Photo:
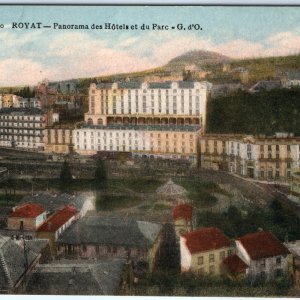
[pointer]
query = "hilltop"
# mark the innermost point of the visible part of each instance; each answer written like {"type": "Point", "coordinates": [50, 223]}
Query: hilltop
{"type": "Point", "coordinates": [205, 65]}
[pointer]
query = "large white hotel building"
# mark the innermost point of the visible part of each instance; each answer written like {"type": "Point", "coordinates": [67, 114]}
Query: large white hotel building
{"type": "Point", "coordinates": [147, 119]}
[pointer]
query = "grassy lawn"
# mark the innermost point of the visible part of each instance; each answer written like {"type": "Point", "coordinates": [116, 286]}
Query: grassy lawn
{"type": "Point", "coordinates": [119, 193]}
{"type": "Point", "coordinates": [10, 200]}
{"type": "Point", "coordinates": [201, 192]}
{"type": "Point", "coordinates": [112, 202]}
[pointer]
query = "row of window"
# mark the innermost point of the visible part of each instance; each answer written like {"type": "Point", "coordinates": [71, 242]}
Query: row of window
{"type": "Point", "coordinates": [211, 257]}
{"type": "Point", "coordinates": [117, 134]}
{"type": "Point", "coordinates": [35, 118]}
{"type": "Point", "coordinates": [182, 150]}
{"type": "Point", "coordinates": [175, 91]}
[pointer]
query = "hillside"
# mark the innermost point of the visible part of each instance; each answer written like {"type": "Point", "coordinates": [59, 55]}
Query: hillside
{"type": "Point", "coordinates": [218, 69]}
{"type": "Point", "coordinates": [198, 58]}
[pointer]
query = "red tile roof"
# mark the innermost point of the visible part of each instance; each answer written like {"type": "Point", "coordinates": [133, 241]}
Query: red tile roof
{"type": "Point", "coordinates": [234, 264]}
{"type": "Point", "coordinates": [183, 211]}
{"type": "Point", "coordinates": [206, 239]}
{"type": "Point", "coordinates": [28, 210]}
{"type": "Point", "coordinates": [262, 244]}
{"type": "Point", "coordinates": [58, 219]}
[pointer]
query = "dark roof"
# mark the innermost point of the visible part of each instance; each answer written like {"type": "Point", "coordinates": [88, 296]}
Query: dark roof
{"type": "Point", "coordinates": [100, 230]}
{"type": "Point", "coordinates": [104, 85]}
{"type": "Point", "coordinates": [20, 111]}
{"type": "Point", "coordinates": [206, 239]}
{"type": "Point", "coordinates": [265, 85]}
{"type": "Point", "coordinates": [176, 128]}
{"type": "Point", "coordinates": [234, 264]}
{"type": "Point", "coordinates": [262, 244]}
{"type": "Point", "coordinates": [102, 277]}
{"type": "Point", "coordinates": [54, 202]}
{"type": "Point", "coordinates": [5, 211]}
{"type": "Point", "coordinates": [37, 245]}
{"type": "Point", "coordinates": [12, 262]}
{"type": "Point", "coordinates": [129, 85]}
{"type": "Point", "coordinates": [58, 219]}
{"type": "Point", "coordinates": [183, 211]}
{"type": "Point", "coordinates": [151, 85]}
{"type": "Point", "coordinates": [27, 210]}
{"type": "Point", "coordinates": [293, 75]}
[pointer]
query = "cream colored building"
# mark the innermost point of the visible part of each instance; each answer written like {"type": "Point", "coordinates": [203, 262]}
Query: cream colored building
{"type": "Point", "coordinates": [157, 119]}
{"type": "Point", "coordinates": [22, 128]}
{"type": "Point", "coordinates": [182, 103]}
{"type": "Point", "coordinates": [58, 139]}
{"type": "Point", "coordinates": [9, 100]}
{"type": "Point", "coordinates": [143, 141]}
{"type": "Point", "coordinates": [203, 251]}
{"type": "Point", "coordinates": [295, 186]}
{"type": "Point", "coordinates": [264, 158]}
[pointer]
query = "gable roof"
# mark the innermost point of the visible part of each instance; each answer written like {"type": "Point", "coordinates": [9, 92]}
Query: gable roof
{"type": "Point", "coordinates": [27, 210]}
{"type": "Point", "coordinates": [206, 239]}
{"type": "Point", "coordinates": [262, 244]}
{"type": "Point", "coordinates": [101, 230]}
{"type": "Point", "coordinates": [183, 211]}
{"type": "Point", "coordinates": [12, 262]}
{"type": "Point", "coordinates": [76, 277]}
{"type": "Point", "coordinates": [58, 219]}
{"type": "Point", "coordinates": [234, 264]}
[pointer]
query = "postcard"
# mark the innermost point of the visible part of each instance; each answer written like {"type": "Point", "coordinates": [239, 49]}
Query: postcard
{"type": "Point", "coordinates": [150, 150]}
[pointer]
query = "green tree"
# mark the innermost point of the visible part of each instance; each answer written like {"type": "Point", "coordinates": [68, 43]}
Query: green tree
{"type": "Point", "coordinates": [198, 154]}
{"type": "Point", "coordinates": [100, 173]}
{"type": "Point", "coordinates": [65, 173]}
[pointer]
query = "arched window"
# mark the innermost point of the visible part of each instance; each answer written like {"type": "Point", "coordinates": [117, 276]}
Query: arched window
{"type": "Point", "coordinates": [90, 121]}
{"type": "Point", "coordinates": [100, 121]}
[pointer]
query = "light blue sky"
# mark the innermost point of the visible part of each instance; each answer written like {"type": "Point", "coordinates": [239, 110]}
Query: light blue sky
{"type": "Point", "coordinates": [29, 55]}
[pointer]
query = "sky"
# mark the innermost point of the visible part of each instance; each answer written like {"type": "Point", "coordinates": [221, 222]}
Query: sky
{"type": "Point", "coordinates": [29, 55]}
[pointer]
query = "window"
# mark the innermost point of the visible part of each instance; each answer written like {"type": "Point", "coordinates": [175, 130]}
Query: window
{"type": "Point", "coordinates": [200, 260]}
{"type": "Point", "coordinates": [222, 255]}
{"type": "Point", "coordinates": [201, 271]}
{"type": "Point", "coordinates": [84, 248]}
{"type": "Point", "coordinates": [229, 252]}
{"type": "Point", "coordinates": [278, 260]}
{"type": "Point", "coordinates": [263, 262]}
{"type": "Point", "coordinates": [211, 270]}
{"type": "Point", "coordinates": [211, 257]}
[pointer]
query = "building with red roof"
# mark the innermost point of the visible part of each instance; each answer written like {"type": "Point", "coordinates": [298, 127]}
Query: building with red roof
{"type": "Point", "coordinates": [57, 224]}
{"type": "Point", "coordinates": [203, 251]}
{"type": "Point", "coordinates": [28, 215]}
{"type": "Point", "coordinates": [265, 255]}
{"type": "Point", "coordinates": [182, 216]}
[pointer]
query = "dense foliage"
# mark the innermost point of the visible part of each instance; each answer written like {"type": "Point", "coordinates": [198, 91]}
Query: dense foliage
{"type": "Point", "coordinates": [260, 113]}
{"type": "Point", "coordinates": [187, 284]}
{"type": "Point", "coordinates": [65, 174]}
{"type": "Point", "coordinates": [100, 173]}
{"type": "Point", "coordinates": [25, 92]}
{"type": "Point", "coordinates": [280, 220]}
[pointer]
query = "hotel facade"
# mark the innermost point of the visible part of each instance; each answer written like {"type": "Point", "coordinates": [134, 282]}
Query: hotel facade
{"type": "Point", "coordinates": [147, 119]}
{"type": "Point", "coordinates": [263, 158]}
{"type": "Point", "coordinates": [22, 128]}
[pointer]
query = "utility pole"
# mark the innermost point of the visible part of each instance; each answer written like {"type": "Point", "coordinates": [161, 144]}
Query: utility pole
{"type": "Point", "coordinates": [24, 252]}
